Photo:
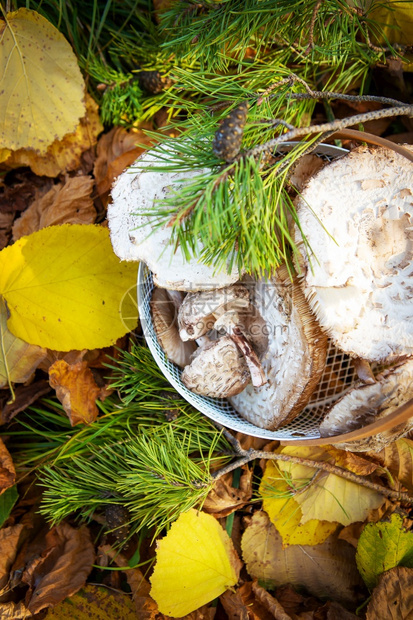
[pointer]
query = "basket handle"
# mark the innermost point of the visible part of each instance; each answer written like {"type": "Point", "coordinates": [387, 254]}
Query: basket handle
{"type": "Point", "coordinates": [399, 415]}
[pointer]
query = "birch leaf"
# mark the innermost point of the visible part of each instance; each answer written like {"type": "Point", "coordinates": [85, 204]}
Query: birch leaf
{"type": "Point", "coordinates": [196, 562]}
{"type": "Point", "coordinates": [328, 497]}
{"type": "Point", "coordinates": [41, 86]}
{"type": "Point", "coordinates": [383, 546]}
{"type": "Point", "coordinates": [18, 359]}
{"type": "Point", "coordinates": [64, 287]}
{"type": "Point", "coordinates": [285, 513]}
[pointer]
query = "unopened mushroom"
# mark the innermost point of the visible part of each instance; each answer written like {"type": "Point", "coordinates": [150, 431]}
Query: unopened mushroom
{"type": "Point", "coordinates": [357, 217]}
{"type": "Point", "coordinates": [218, 369]}
{"type": "Point", "coordinates": [134, 234]}
{"type": "Point", "coordinates": [164, 310]}
{"type": "Point", "coordinates": [365, 404]}
{"type": "Point", "coordinates": [293, 361]}
{"type": "Point", "coordinates": [196, 314]}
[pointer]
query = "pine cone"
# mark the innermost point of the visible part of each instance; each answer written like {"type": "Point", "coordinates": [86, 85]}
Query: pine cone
{"type": "Point", "coordinates": [117, 517]}
{"type": "Point", "coordinates": [153, 81]}
{"type": "Point", "coordinates": [228, 138]}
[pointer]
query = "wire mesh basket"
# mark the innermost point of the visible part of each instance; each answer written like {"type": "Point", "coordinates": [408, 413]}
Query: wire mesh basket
{"type": "Point", "coordinates": [339, 375]}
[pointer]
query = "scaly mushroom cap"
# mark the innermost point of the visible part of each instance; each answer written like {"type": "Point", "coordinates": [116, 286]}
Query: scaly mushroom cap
{"type": "Point", "coordinates": [134, 236]}
{"type": "Point", "coordinates": [218, 369]}
{"type": "Point", "coordinates": [164, 319]}
{"type": "Point", "coordinates": [293, 361]}
{"type": "Point", "coordinates": [357, 216]}
{"type": "Point", "coordinates": [367, 403]}
{"type": "Point", "coordinates": [196, 314]}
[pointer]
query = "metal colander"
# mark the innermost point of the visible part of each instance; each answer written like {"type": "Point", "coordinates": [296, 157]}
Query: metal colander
{"type": "Point", "coordinates": [338, 377]}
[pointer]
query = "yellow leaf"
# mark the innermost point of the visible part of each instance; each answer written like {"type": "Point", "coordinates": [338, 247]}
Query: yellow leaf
{"type": "Point", "coordinates": [62, 155]}
{"type": "Point", "coordinates": [285, 513]}
{"type": "Point", "coordinates": [40, 83]}
{"type": "Point", "coordinates": [64, 287]}
{"type": "Point", "coordinates": [396, 19]}
{"type": "Point", "coordinates": [18, 359]}
{"type": "Point", "coordinates": [196, 562]}
{"type": "Point", "coordinates": [328, 497]}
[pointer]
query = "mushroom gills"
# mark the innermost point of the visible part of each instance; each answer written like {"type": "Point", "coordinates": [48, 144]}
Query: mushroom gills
{"type": "Point", "coordinates": [164, 319]}
{"type": "Point", "coordinates": [364, 404]}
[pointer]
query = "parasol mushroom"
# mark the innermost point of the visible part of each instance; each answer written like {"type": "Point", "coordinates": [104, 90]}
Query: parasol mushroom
{"type": "Point", "coordinates": [357, 216]}
{"type": "Point", "coordinates": [135, 236]}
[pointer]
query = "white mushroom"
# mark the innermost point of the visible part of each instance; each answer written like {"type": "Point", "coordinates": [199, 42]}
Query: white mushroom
{"type": "Point", "coordinates": [218, 369]}
{"type": "Point", "coordinates": [293, 361]}
{"type": "Point", "coordinates": [357, 216]}
{"type": "Point", "coordinates": [365, 404]}
{"type": "Point", "coordinates": [196, 315]}
{"type": "Point", "coordinates": [164, 310]}
{"type": "Point", "coordinates": [134, 235]}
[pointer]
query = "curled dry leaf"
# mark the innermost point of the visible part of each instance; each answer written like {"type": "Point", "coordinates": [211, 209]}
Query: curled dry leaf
{"type": "Point", "coordinates": [18, 359]}
{"type": "Point", "coordinates": [62, 155]}
{"type": "Point", "coordinates": [76, 389]}
{"type": "Point", "coordinates": [392, 599]}
{"type": "Point", "coordinates": [65, 203]}
{"type": "Point", "coordinates": [223, 499]}
{"type": "Point", "coordinates": [325, 570]}
{"type": "Point", "coordinates": [116, 150]}
{"type": "Point", "coordinates": [397, 457]}
{"type": "Point", "coordinates": [243, 605]}
{"type": "Point", "coordinates": [25, 395]}
{"type": "Point", "coordinates": [9, 542]}
{"type": "Point", "coordinates": [62, 568]}
{"type": "Point", "coordinates": [7, 471]}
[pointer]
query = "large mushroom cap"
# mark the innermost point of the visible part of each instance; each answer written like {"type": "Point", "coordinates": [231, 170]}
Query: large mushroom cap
{"type": "Point", "coordinates": [357, 216]}
{"type": "Point", "coordinates": [367, 403]}
{"type": "Point", "coordinates": [134, 236]}
{"type": "Point", "coordinates": [293, 361]}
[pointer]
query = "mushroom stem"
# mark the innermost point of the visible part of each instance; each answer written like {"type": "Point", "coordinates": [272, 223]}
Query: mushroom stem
{"type": "Point", "coordinates": [364, 371]}
{"type": "Point", "coordinates": [229, 321]}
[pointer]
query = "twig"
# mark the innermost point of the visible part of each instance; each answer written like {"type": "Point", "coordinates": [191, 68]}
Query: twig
{"type": "Point", "coordinates": [323, 94]}
{"type": "Point", "coordinates": [337, 125]}
{"type": "Point", "coordinates": [312, 24]}
{"type": "Point", "coordinates": [245, 456]}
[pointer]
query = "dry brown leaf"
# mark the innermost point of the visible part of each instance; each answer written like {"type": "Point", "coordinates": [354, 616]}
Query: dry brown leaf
{"type": "Point", "coordinates": [295, 604]}
{"type": "Point", "coordinates": [255, 443]}
{"type": "Point", "coordinates": [334, 611]}
{"type": "Point", "coordinates": [116, 151]}
{"type": "Point", "coordinates": [352, 462]}
{"type": "Point", "coordinates": [223, 499]}
{"type": "Point", "coordinates": [9, 542]}
{"type": "Point", "coordinates": [392, 598]}
{"type": "Point", "coordinates": [397, 457]}
{"type": "Point", "coordinates": [146, 608]}
{"type": "Point", "coordinates": [269, 602]}
{"type": "Point", "coordinates": [76, 389]}
{"type": "Point", "coordinates": [63, 567]}
{"type": "Point", "coordinates": [243, 606]}
{"type": "Point", "coordinates": [328, 569]}
{"type": "Point", "coordinates": [62, 155]}
{"type": "Point", "coordinates": [14, 611]}
{"type": "Point", "coordinates": [25, 395]}
{"type": "Point", "coordinates": [66, 203]}
{"type": "Point", "coordinates": [7, 471]}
